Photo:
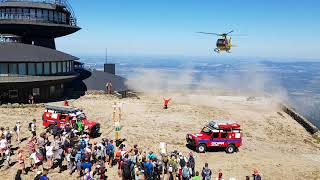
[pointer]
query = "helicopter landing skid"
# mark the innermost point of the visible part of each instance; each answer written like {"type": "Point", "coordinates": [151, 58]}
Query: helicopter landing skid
{"type": "Point", "coordinates": [216, 50]}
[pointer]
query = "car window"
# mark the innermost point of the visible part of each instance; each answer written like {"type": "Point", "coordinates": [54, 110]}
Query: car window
{"type": "Point", "coordinates": [224, 135]}
{"type": "Point", "coordinates": [206, 130]}
{"type": "Point", "coordinates": [215, 135]}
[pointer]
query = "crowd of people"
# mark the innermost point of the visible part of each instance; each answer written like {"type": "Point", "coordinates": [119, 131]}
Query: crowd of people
{"type": "Point", "coordinates": [89, 159]}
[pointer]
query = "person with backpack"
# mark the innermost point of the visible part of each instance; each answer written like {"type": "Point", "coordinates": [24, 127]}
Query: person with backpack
{"type": "Point", "coordinates": [172, 166]}
{"type": "Point", "coordinates": [125, 169]}
{"type": "Point", "coordinates": [206, 172]}
{"type": "Point", "coordinates": [148, 167]}
{"type": "Point", "coordinates": [191, 164]}
{"type": "Point", "coordinates": [16, 129]}
{"type": "Point", "coordinates": [8, 135]}
{"type": "Point", "coordinates": [185, 175]}
{"type": "Point", "coordinates": [33, 127]}
{"type": "Point", "coordinates": [110, 152]}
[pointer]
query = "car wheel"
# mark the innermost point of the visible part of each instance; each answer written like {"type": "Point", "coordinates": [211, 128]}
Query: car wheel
{"type": "Point", "coordinates": [231, 149]}
{"type": "Point", "coordinates": [201, 148]}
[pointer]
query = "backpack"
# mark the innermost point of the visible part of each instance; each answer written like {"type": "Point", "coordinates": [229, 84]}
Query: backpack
{"type": "Point", "coordinates": [82, 144]}
{"type": "Point", "coordinates": [39, 156]}
{"type": "Point", "coordinates": [8, 136]}
{"type": "Point", "coordinates": [206, 173]}
{"type": "Point", "coordinates": [126, 170]}
{"type": "Point", "coordinates": [15, 128]}
{"type": "Point", "coordinates": [110, 148]}
{"type": "Point", "coordinates": [118, 155]}
{"type": "Point", "coordinates": [191, 162]}
{"type": "Point", "coordinates": [182, 162]}
{"type": "Point", "coordinates": [170, 169]}
{"type": "Point", "coordinates": [29, 126]}
{"type": "Point", "coordinates": [185, 172]}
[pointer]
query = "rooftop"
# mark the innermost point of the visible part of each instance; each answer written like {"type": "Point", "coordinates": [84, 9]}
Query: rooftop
{"type": "Point", "coordinates": [18, 52]}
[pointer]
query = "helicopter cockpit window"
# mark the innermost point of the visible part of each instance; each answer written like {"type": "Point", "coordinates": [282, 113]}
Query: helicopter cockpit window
{"type": "Point", "coordinates": [221, 42]}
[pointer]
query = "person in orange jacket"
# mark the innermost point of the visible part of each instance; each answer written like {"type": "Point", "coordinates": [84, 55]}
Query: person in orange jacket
{"type": "Point", "coordinates": [166, 102]}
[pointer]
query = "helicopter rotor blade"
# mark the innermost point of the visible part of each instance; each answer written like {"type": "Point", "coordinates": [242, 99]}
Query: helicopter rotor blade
{"type": "Point", "coordinates": [229, 32]}
{"type": "Point", "coordinates": [209, 33]}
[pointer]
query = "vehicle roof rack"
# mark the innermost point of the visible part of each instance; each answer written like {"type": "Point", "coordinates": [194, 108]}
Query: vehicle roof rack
{"type": "Point", "coordinates": [66, 109]}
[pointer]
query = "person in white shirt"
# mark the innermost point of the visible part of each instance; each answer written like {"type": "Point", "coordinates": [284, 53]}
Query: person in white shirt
{"type": "Point", "coordinates": [16, 129]}
{"type": "Point", "coordinates": [36, 160]}
{"type": "Point", "coordinates": [3, 146]}
{"type": "Point", "coordinates": [49, 154]}
{"type": "Point", "coordinates": [33, 127]}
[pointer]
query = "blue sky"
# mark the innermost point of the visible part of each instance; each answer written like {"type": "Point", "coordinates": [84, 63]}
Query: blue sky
{"type": "Point", "coordinates": [273, 28]}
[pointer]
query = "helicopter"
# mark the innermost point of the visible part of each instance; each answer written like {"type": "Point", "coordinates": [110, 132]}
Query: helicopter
{"type": "Point", "coordinates": [224, 43]}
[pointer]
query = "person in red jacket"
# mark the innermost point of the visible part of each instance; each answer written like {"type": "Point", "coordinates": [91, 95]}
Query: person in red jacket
{"type": "Point", "coordinates": [166, 102]}
{"type": "Point", "coordinates": [66, 103]}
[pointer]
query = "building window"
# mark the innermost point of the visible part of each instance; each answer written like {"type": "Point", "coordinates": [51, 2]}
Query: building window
{"type": "Point", "coordinates": [26, 13]}
{"type": "Point", "coordinates": [64, 66]}
{"type": "Point", "coordinates": [19, 13]}
{"type": "Point", "coordinates": [22, 68]}
{"type": "Point", "coordinates": [39, 69]}
{"type": "Point", "coordinates": [13, 69]}
{"type": "Point", "coordinates": [51, 16]}
{"type": "Point", "coordinates": [33, 14]}
{"type": "Point", "coordinates": [13, 93]}
{"type": "Point", "coordinates": [39, 14]}
{"type": "Point", "coordinates": [36, 91]}
{"type": "Point", "coordinates": [31, 69]}
{"type": "Point", "coordinates": [53, 67]}
{"type": "Point", "coordinates": [64, 18]}
{"type": "Point", "coordinates": [59, 67]}
{"type": "Point", "coordinates": [68, 66]}
{"type": "Point", "coordinates": [52, 90]}
{"type": "Point", "coordinates": [4, 69]}
{"type": "Point", "coordinates": [45, 15]}
{"type": "Point", "coordinates": [46, 68]}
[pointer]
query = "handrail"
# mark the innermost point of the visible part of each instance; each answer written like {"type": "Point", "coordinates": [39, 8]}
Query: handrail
{"type": "Point", "coordinates": [32, 18]}
{"type": "Point", "coordinates": [64, 3]}
{"type": "Point", "coordinates": [59, 2]}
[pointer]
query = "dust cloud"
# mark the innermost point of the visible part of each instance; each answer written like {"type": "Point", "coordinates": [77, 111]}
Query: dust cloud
{"type": "Point", "coordinates": [247, 80]}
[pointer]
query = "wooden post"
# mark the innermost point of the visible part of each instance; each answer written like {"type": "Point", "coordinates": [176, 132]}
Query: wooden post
{"type": "Point", "coordinates": [114, 112]}
{"type": "Point", "coordinates": [119, 110]}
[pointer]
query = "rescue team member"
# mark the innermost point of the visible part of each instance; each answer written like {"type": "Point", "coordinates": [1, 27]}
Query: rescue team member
{"type": "Point", "coordinates": [66, 103]}
{"type": "Point", "coordinates": [166, 102]}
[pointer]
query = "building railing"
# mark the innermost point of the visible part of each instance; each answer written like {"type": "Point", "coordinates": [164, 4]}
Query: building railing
{"type": "Point", "coordinates": [58, 2]}
{"type": "Point", "coordinates": [30, 17]}
{"type": "Point", "coordinates": [65, 3]}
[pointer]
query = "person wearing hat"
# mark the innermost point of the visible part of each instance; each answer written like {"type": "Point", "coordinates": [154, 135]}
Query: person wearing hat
{"type": "Point", "coordinates": [16, 129]}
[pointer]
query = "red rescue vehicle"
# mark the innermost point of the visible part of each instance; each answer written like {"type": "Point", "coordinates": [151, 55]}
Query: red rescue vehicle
{"type": "Point", "coordinates": [60, 115]}
{"type": "Point", "coordinates": [218, 133]}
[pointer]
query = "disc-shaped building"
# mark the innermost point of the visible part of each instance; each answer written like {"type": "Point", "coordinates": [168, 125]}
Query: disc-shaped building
{"type": "Point", "coordinates": [29, 61]}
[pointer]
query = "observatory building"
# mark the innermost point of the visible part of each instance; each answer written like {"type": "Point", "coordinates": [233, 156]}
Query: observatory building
{"type": "Point", "coordinates": [29, 61]}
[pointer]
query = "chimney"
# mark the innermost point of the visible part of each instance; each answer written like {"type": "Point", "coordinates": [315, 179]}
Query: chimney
{"type": "Point", "coordinates": [109, 68]}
